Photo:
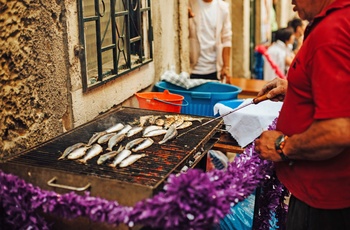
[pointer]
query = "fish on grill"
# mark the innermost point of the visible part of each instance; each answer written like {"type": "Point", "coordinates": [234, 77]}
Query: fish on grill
{"type": "Point", "coordinates": [107, 156]}
{"type": "Point", "coordinates": [186, 117]}
{"type": "Point", "coordinates": [120, 157]}
{"type": "Point", "coordinates": [143, 145]}
{"type": "Point", "coordinates": [95, 137]}
{"type": "Point", "coordinates": [114, 140]}
{"type": "Point", "coordinates": [103, 139]}
{"type": "Point", "coordinates": [179, 120]}
{"type": "Point", "coordinates": [115, 128]}
{"type": "Point", "coordinates": [78, 153]}
{"type": "Point", "coordinates": [125, 130]}
{"type": "Point", "coordinates": [134, 130]}
{"type": "Point", "coordinates": [184, 125]}
{"type": "Point", "coordinates": [151, 128]}
{"type": "Point", "coordinates": [134, 142]}
{"type": "Point", "coordinates": [152, 119]}
{"type": "Point", "coordinates": [169, 121]}
{"type": "Point", "coordinates": [95, 150]}
{"type": "Point", "coordinates": [155, 132]}
{"type": "Point", "coordinates": [71, 149]}
{"type": "Point", "coordinates": [166, 125]}
{"type": "Point", "coordinates": [171, 134]}
{"type": "Point", "coordinates": [160, 122]}
{"type": "Point", "coordinates": [131, 159]}
{"type": "Point", "coordinates": [144, 119]}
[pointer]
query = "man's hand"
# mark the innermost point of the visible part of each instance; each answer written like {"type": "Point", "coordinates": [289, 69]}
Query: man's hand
{"type": "Point", "coordinates": [265, 146]}
{"type": "Point", "coordinates": [275, 89]}
{"type": "Point", "coordinates": [225, 76]}
{"type": "Point", "coordinates": [190, 13]}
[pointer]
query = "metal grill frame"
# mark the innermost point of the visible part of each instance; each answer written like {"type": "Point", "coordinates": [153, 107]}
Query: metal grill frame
{"type": "Point", "coordinates": [128, 190]}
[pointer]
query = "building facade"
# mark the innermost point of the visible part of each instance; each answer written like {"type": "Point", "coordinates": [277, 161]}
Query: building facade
{"type": "Point", "coordinates": [65, 62]}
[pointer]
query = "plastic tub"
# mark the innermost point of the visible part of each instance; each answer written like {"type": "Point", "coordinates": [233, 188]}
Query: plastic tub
{"type": "Point", "coordinates": [231, 103]}
{"type": "Point", "coordinates": [165, 101]}
{"type": "Point", "coordinates": [201, 99]}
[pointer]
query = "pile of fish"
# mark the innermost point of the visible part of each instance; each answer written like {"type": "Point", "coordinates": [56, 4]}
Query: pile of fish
{"type": "Point", "coordinates": [107, 143]}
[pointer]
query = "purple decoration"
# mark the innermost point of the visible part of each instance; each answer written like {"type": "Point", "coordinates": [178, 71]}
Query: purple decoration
{"type": "Point", "coordinates": [191, 200]}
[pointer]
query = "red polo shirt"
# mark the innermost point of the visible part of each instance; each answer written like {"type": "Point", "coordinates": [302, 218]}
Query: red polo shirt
{"type": "Point", "coordinates": [319, 88]}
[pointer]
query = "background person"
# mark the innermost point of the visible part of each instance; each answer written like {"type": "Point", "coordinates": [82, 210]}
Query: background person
{"type": "Point", "coordinates": [210, 38]}
{"type": "Point", "coordinates": [280, 53]}
{"type": "Point", "coordinates": [299, 27]}
{"type": "Point", "coordinates": [311, 143]}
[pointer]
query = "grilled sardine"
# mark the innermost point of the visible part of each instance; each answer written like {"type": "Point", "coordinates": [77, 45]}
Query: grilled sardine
{"type": "Point", "coordinates": [144, 144]}
{"type": "Point", "coordinates": [77, 153]}
{"type": "Point", "coordinates": [114, 140]}
{"type": "Point", "coordinates": [103, 139]}
{"type": "Point", "coordinates": [115, 128]}
{"type": "Point", "coordinates": [120, 157]}
{"type": "Point", "coordinates": [171, 134]}
{"type": "Point", "coordinates": [95, 150]}
{"type": "Point", "coordinates": [130, 160]}
{"type": "Point", "coordinates": [71, 149]}
{"type": "Point", "coordinates": [109, 155]}
{"type": "Point", "coordinates": [134, 130]}
{"type": "Point", "coordinates": [134, 142]}
{"type": "Point", "coordinates": [95, 137]}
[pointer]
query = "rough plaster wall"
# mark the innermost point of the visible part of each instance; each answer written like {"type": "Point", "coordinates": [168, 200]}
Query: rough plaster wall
{"type": "Point", "coordinates": [183, 37]}
{"type": "Point", "coordinates": [87, 106]}
{"type": "Point", "coordinates": [32, 73]}
{"type": "Point", "coordinates": [166, 36]}
{"type": "Point", "coordinates": [240, 38]}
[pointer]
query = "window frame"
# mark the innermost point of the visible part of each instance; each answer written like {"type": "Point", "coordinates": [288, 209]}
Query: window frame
{"type": "Point", "coordinates": [104, 77]}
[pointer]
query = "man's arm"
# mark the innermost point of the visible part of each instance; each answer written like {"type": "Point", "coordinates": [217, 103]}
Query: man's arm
{"type": "Point", "coordinates": [324, 139]}
{"type": "Point", "coordinates": [225, 71]}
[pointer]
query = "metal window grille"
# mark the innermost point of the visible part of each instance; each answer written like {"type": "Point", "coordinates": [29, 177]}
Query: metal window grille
{"type": "Point", "coordinates": [116, 36]}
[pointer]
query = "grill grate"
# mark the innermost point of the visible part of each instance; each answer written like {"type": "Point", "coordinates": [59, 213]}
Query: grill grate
{"type": "Point", "coordinates": [161, 160]}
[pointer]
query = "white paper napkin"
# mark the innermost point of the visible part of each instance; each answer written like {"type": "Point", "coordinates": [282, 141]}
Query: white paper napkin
{"type": "Point", "coordinates": [246, 124]}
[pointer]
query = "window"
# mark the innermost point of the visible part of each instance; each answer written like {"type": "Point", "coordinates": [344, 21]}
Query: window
{"type": "Point", "coordinates": [117, 38]}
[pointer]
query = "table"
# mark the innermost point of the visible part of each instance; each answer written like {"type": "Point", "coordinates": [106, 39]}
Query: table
{"type": "Point", "coordinates": [250, 87]}
{"type": "Point", "coordinates": [227, 143]}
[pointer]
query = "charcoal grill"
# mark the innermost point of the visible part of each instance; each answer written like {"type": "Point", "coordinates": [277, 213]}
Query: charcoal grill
{"type": "Point", "coordinates": [143, 179]}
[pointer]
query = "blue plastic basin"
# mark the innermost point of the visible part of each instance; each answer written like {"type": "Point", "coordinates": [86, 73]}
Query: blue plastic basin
{"type": "Point", "coordinates": [201, 99]}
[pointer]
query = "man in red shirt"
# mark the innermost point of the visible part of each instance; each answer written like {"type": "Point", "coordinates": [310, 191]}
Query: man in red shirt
{"type": "Point", "coordinates": [311, 143]}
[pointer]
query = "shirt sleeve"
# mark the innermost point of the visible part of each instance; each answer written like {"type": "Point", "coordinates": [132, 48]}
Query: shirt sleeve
{"type": "Point", "coordinates": [226, 34]}
{"type": "Point", "coordinates": [331, 81]}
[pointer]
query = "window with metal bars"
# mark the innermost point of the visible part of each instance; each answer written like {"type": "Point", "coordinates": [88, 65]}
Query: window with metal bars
{"type": "Point", "coordinates": [117, 38]}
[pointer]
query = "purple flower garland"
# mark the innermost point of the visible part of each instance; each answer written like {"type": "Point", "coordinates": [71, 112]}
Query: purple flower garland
{"type": "Point", "coordinates": [191, 200]}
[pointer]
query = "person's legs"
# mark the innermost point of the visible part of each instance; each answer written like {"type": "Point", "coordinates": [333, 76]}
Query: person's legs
{"type": "Point", "coordinates": [303, 217]}
{"type": "Point", "coordinates": [211, 76]}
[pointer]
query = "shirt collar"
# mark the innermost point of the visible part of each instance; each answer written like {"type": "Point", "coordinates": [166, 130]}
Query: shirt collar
{"type": "Point", "coordinates": [336, 5]}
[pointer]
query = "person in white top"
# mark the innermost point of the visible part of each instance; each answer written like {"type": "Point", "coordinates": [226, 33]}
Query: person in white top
{"type": "Point", "coordinates": [210, 37]}
{"type": "Point", "coordinates": [280, 53]}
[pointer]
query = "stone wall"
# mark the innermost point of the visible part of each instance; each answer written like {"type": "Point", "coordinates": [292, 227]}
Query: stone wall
{"type": "Point", "coordinates": [33, 73]}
